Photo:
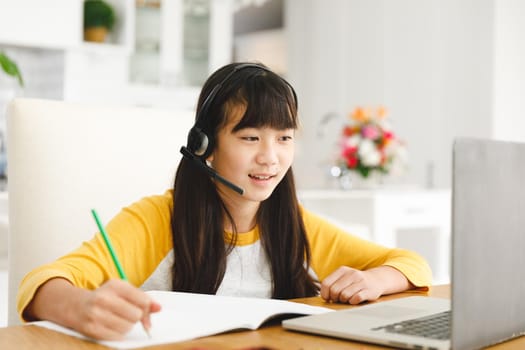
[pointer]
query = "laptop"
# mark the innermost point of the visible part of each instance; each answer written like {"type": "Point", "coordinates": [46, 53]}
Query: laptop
{"type": "Point", "coordinates": [487, 303]}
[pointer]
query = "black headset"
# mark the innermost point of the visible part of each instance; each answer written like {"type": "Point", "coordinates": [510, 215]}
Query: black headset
{"type": "Point", "coordinates": [200, 144]}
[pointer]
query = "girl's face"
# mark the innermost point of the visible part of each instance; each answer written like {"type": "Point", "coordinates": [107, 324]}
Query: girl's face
{"type": "Point", "coordinates": [255, 159]}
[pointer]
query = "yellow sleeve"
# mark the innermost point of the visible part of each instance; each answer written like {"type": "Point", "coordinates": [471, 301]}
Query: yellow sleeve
{"type": "Point", "coordinates": [141, 237]}
{"type": "Point", "coordinates": [332, 248]}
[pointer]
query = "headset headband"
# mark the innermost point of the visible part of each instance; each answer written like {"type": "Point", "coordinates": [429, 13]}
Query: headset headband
{"type": "Point", "coordinates": [201, 144]}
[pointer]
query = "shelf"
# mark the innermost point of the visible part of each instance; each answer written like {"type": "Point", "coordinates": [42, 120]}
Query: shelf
{"type": "Point", "coordinates": [121, 69]}
{"type": "Point", "coordinates": [103, 48]}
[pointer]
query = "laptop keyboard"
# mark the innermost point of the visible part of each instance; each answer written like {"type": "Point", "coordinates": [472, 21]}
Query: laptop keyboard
{"type": "Point", "coordinates": [435, 326]}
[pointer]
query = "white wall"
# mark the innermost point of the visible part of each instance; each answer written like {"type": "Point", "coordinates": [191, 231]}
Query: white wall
{"type": "Point", "coordinates": [317, 46]}
{"type": "Point", "coordinates": [509, 70]}
{"type": "Point", "coordinates": [443, 68]}
{"type": "Point", "coordinates": [38, 23]}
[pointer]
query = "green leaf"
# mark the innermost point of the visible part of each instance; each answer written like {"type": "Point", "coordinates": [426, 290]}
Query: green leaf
{"type": "Point", "coordinates": [11, 68]}
{"type": "Point", "coordinates": [98, 13]}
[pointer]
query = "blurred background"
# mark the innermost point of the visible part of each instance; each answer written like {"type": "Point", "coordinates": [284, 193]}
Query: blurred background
{"type": "Point", "coordinates": [441, 68]}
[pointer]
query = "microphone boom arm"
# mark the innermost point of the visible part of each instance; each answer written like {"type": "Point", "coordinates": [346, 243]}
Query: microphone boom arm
{"type": "Point", "coordinates": [186, 153]}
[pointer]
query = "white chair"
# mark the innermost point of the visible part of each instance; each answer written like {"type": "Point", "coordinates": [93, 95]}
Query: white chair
{"type": "Point", "coordinates": [66, 158]}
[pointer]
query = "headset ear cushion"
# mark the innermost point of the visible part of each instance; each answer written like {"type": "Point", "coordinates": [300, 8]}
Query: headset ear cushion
{"type": "Point", "coordinates": [197, 141]}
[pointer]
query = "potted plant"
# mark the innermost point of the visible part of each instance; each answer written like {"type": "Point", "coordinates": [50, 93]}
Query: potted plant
{"type": "Point", "coordinates": [99, 18]}
{"type": "Point", "coordinates": [10, 68]}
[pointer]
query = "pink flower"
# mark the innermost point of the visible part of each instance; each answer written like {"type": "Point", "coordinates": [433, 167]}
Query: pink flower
{"type": "Point", "coordinates": [370, 132]}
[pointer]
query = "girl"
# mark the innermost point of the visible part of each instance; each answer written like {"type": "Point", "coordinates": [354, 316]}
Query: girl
{"type": "Point", "coordinates": [240, 231]}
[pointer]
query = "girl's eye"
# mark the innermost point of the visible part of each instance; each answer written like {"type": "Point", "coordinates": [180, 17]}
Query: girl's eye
{"type": "Point", "coordinates": [249, 138]}
{"type": "Point", "coordinates": [286, 138]}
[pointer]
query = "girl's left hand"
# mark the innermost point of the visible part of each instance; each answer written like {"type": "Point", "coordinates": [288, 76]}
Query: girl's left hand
{"type": "Point", "coordinates": [348, 285]}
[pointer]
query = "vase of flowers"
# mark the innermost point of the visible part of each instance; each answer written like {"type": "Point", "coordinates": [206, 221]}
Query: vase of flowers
{"type": "Point", "coordinates": [368, 149]}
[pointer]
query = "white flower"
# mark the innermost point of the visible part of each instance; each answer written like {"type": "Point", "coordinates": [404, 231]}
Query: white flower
{"type": "Point", "coordinates": [366, 146]}
{"type": "Point", "coordinates": [368, 153]}
{"type": "Point", "coordinates": [371, 159]}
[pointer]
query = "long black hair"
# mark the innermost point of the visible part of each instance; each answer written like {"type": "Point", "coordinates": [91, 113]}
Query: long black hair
{"type": "Point", "coordinates": [199, 214]}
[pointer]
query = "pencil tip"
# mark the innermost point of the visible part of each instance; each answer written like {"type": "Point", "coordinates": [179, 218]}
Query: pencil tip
{"type": "Point", "coordinates": [147, 332]}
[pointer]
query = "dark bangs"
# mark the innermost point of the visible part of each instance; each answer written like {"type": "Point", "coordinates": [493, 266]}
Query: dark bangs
{"type": "Point", "coordinates": [269, 103]}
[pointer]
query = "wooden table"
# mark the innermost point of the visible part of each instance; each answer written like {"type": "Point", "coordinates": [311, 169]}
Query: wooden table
{"type": "Point", "coordinates": [267, 338]}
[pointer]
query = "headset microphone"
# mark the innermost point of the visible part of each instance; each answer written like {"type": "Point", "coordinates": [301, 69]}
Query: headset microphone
{"type": "Point", "coordinates": [186, 153]}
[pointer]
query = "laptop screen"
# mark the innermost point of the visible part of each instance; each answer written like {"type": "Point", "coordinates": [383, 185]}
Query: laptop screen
{"type": "Point", "coordinates": [488, 230]}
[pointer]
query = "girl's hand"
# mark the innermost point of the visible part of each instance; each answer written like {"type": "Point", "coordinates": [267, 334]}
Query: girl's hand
{"type": "Point", "coordinates": [107, 313]}
{"type": "Point", "coordinates": [112, 310]}
{"type": "Point", "coordinates": [348, 285]}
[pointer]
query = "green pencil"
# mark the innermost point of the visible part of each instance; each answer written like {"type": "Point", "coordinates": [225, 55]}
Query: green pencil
{"type": "Point", "coordinates": [121, 272]}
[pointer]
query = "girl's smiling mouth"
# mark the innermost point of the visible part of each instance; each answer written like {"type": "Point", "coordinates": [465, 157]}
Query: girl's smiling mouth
{"type": "Point", "coordinates": [260, 176]}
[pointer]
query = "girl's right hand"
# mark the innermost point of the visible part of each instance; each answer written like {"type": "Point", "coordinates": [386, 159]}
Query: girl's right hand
{"type": "Point", "coordinates": [112, 310]}
{"type": "Point", "coordinates": [106, 313]}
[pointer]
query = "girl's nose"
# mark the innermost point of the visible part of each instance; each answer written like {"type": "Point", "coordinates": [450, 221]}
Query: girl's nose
{"type": "Point", "coordinates": [267, 154]}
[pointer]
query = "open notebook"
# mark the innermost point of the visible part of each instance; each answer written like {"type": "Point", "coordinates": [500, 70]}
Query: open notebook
{"type": "Point", "coordinates": [488, 284]}
{"type": "Point", "coordinates": [186, 316]}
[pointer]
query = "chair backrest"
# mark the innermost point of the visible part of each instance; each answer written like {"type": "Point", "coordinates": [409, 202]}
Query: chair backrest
{"type": "Point", "coordinates": [66, 158]}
